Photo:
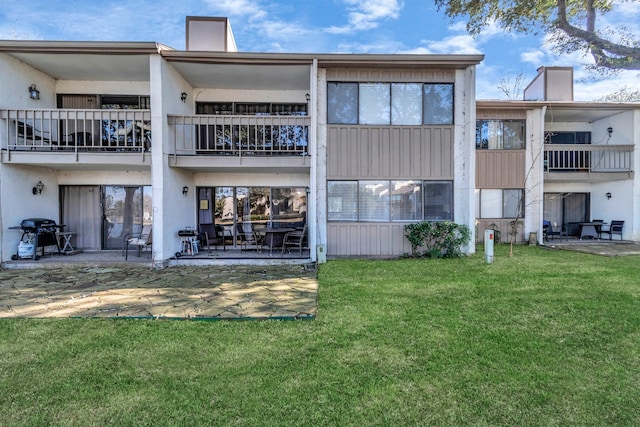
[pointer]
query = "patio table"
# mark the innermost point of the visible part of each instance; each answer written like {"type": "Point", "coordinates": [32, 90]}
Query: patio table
{"type": "Point", "coordinates": [65, 240]}
{"type": "Point", "coordinates": [588, 229]}
{"type": "Point", "coordinates": [273, 236]}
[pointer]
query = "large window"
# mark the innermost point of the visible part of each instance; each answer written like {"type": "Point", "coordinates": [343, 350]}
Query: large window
{"type": "Point", "coordinates": [342, 201]}
{"type": "Point", "coordinates": [500, 134]}
{"type": "Point", "coordinates": [568, 137]}
{"type": "Point", "coordinates": [252, 108]}
{"type": "Point", "coordinates": [342, 101]}
{"type": "Point", "coordinates": [390, 103]}
{"type": "Point", "coordinates": [406, 100]}
{"type": "Point", "coordinates": [375, 100]}
{"type": "Point", "coordinates": [385, 201]}
{"type": "Point", "coordinates": [438, 104]}
{"type": "Point", "coordinates": [500, 203]}
{"type": "Point", "coordinates": [237, 209]}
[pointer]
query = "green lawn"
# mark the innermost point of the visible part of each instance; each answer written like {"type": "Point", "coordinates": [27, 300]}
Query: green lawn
{"type": "Point", "coordinates": [548, 338]}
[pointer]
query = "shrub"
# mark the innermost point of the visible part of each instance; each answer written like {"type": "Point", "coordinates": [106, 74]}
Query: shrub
{"type": "Point", "coordinates": [437, 239]}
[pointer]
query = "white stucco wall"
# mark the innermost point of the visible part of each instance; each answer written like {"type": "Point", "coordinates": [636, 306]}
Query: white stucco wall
{"type": "Point", "coordinates": [464, 178]}
{"type": "Point", "coordinates": [18, 201]}
{"type": "Point", "coordinates": [172, 211]}
{"type": "Point", "coordinates": [625, 201]}
{"type": "Point", "coordinates": [534, 173]}
{"type": "Point", "coordinates": [16, 94]}
{"type": "Point", "coordinates": [319, 159]}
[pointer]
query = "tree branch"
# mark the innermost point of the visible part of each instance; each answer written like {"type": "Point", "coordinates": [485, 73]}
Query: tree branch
{"type": "Point", "coordinates": [624, 57]}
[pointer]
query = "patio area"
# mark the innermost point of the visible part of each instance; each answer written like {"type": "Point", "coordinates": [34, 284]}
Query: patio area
{"type": "Point", "coordinates": [135, 291]}
{"type": "Point", "coordinates": [203, 258]}
{"type": "Point", "coordinates": [603, 247]}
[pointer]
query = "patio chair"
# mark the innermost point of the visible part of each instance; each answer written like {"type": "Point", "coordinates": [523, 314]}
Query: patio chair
{"type": "Point", "coordinates": [248, 238]}
{"type": "Point", "coordinates": [141, 241]}
{"type": "Point", "coordinates": [552, 230]}
{"type": "Point", "coordinates": [76, 139]}
{"type": "Point", "coordinates": [211, 234]}
{"type": "Point", "coordinates": [294, 239]}
{"type": "Point", "coordinates": [615, 228]}
{"type": "Point", "coordinates": [29, 133]}
{"type": "Point", "coordinates": [598, 226]}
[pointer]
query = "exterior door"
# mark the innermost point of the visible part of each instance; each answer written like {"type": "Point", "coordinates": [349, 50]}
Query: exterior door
{"type": "Point", "coordinates": [81, 214]}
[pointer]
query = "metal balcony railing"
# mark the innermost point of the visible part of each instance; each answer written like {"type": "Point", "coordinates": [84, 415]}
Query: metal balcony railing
{"type": "Point", "coordinates": [240, 135]}
{"type": "Point", "coordinates": [588, 158]}
{"type": "Point", "coordinates": [77, 130]}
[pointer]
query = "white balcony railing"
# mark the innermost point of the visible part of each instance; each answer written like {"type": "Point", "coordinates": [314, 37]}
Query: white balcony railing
{"type": "Point", "coordinates": [239, 135]}
{"type": "Point", "coordinates": [77, 130]}
{"type": "Point", "coordinates": [588, 158]}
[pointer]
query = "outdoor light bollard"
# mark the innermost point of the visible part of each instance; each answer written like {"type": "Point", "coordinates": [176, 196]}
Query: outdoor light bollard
{"type": "Point", "coordinates": [488, 246]}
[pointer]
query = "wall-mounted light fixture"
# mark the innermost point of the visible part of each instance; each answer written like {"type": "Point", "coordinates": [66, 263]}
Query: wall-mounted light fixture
{"type": "Point", "coordinates": [183, 96]}
{"type": "Point", "coordinates": [185, 190]}
{"type": "Point", "coordinates": [34, 93]}
{"type": "Point", "coordinates": [37, 189]}
{"type": "Point", "coordinates": [609, 131]}
{"type": "Point", "coordinates": [608, 195]}
{"type": "Point", "coordinates": [307, 97]}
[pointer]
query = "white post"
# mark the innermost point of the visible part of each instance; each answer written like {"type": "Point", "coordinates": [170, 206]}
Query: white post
{"type": "Point", "coordinates": [488, 246]}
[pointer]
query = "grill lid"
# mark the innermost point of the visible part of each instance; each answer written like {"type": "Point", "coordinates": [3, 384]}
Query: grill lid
{"type": "Point", "coordinates": [37, 222]}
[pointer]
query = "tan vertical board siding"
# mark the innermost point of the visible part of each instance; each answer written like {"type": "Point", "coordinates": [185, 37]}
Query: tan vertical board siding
{"type": "Point", "coordinates": [367, 239]}
{"type": "Point", "coordinates": [500, 168]}
{"type": "Point", "coordinates": [359, 152]}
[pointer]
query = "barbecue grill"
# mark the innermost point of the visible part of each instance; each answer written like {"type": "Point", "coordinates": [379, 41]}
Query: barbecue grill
{"type": "Point", "coordinates": [36, 233]}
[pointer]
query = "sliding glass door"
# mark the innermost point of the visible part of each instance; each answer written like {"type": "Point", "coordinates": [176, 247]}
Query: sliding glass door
{"type": "Point", "coordinates": [244, 209]}
{"type": "Point", "coordinates": [125, 210]}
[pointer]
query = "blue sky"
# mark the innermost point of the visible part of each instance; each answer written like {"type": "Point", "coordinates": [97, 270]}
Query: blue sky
{"type": "Point", "coordinates": [347, 26]}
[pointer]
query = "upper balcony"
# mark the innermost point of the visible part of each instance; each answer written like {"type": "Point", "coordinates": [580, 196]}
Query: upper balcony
{"type": "Point", "coordinates": [587, 163]}
{"type": "Point", "coordinates": [207, 142]}
{"type": "Point", "coordinates": [68, 138]}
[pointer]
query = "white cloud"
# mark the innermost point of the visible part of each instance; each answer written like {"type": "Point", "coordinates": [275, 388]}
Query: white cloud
{"type": "Point", "coordinates": [461, 44]}
{"type": "Point", "coordinates": [386, 46]}
{"type": "Point", "coordinates": [366, 14]}
{"type": "Point", "coordinates": [248, 8]}
{"type": "Point", "coordinates": [534, 57]}
{"type": "Point", "coordinates": [460, 27]}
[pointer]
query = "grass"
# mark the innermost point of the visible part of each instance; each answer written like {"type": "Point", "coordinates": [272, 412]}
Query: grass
{"type": "Point", "coordinates": [544, 338]}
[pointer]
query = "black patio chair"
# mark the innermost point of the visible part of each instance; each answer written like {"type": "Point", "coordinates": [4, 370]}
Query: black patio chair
{"type": "Point", "coordinates": [552, 230]}
{"type": "Point", "coordinates": [77, 139]}
{"type": "Point", "coordinates": [29, 133]}
{"type": "Point", "coordinates": [615, 228]}
{"type": "Point", "coordinates": [598, 227]}
{"type": "Point", "coordinates": [295, 239]}
{"type": "Point", "coordinates": [249, 238]}
{"type": "Point", "coordinates": [211, 234]}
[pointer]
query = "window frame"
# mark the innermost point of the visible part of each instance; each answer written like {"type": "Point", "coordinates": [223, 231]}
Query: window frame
{"type": "Point", "coordinates": [502, 203]}
{"type": "Point", "coordinates": [485, 144]}
{"type": "Point", "coordinates": [334, 86]}
{"type": "Point", "coordinates": [390, 217]}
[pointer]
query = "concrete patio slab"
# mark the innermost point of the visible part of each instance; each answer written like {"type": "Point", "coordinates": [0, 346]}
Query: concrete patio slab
{"type": "Point", "coordinates": [601, 247]}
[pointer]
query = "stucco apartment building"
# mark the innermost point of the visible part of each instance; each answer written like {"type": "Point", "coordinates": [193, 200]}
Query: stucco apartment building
{"type": "Point", "coordinates": [110, 138]}
{"type": "Point", "coordinates": [549, 159]}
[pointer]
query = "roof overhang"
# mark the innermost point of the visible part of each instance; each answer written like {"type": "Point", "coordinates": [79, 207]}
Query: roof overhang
{"type": "Point", "coordinates": [576, 111]}
{"type": "Point", "coordinates": [291, 71]}
{"type": "Point", "coordinates": [64, 60]}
